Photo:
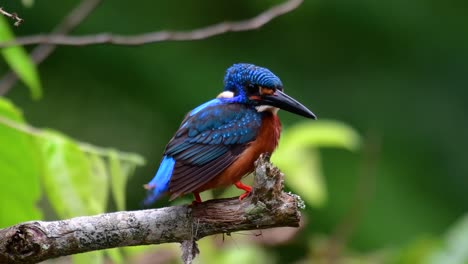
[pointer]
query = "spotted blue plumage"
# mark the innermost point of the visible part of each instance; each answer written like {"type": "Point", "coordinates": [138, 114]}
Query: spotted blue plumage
{"type": "Point", "coordinates": [212, 135]}
{"type": "Point", "coordinates": [213, 129]}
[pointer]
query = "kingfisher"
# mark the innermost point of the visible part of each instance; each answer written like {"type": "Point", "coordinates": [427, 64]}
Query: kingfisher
{"type": "Point", "coordinates": [218, 142]}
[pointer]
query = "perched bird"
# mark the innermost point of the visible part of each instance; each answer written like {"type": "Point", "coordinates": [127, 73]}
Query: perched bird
{"type": "Point", "coordinates": [219, 141]}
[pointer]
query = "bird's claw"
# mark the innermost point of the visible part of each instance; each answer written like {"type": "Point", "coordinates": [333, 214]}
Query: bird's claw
{"type": "Point", "coordinates": [195, 202]}
{"type": "Point", "coordinates": [242, 196]}
{"type": "Point", "coordinates": [246, 188]}
{"type": "Point", "coordinates": [197, 199]}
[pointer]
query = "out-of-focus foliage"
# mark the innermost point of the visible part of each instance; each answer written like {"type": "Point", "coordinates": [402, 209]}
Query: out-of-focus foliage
{"type": "Point", "coordinates": [95, 257]}
{"type": "Point", "coordinates": [232, 253]}
{"type": "Point", "coordinates": [418, 251]}
{"type": "Point", "coordinates": [298, 158]}
{"type": "Point", "coordinates": [119, 180]}
{"type": "Point", "coordinates": [115, 255]}
{"type": "Point", "coordinates": [454, 248]}
{"type": "Point", "coordinates": [19, 61]}
{"type": "Point", "coordinates": [69, 181]}
{"type": "Point", "coordinates": [19, 171]}
{"type": "Point", "coordinates": [27, 3]}
{"type": "Point", "coordinates": [75, 177]}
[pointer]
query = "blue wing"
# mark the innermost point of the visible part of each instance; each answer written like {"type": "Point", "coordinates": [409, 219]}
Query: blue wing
{"type": "Point", "coordinates": [209, 139]}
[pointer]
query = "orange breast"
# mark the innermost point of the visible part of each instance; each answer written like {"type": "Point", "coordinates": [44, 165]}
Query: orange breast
{"type": "Point", "coordinates": [266, 141]}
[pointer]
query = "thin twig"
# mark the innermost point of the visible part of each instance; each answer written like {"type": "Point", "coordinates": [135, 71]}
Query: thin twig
{"type": "Point", "coordinates": [159, 36]}
{"type": "Point", "coordinates": [85, 147]}
{"type": "Point", "coordinates": [13, 16]}
{"type": "Point", "coordinates": [41, 52]}
{"type": "Point", "coordinates": [19, 127]}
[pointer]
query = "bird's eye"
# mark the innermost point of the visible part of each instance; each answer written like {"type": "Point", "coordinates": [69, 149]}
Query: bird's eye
{"type": "Point", "coordinates": [253, 89]}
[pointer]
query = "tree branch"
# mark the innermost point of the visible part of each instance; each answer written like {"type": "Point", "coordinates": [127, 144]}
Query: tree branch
{"type": "Point", "coordinates": [153, 37]}
{"type": "Point", "coordinates": [41, 52]}
{"type": "Point", "coordinates": [13, 16]}
{"type": "Point", "coordinates": [268, 206]}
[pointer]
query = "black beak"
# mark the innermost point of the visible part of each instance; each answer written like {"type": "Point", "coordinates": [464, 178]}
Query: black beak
{"type": "Point", "coordinates": [287, 103]}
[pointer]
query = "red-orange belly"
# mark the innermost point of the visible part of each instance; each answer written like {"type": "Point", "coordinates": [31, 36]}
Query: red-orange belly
{"type": "Point", "coordinates": [266, 141]}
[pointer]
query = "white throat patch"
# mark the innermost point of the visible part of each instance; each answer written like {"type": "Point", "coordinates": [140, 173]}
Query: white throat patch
{"type": "Point", "coordinates": [263, 108]}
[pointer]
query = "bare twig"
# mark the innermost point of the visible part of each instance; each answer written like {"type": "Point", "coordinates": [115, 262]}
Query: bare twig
{"type": "Point", "coordinates": [41, 52]}
{"type": "Point", "coordinates": [153, 37]}
{"type": "Point", "coordinates": [268, 206]}
{"type": "Point", "coordinates": [13, 16]}
{"type": "Point", "coordinates": [58, 37]}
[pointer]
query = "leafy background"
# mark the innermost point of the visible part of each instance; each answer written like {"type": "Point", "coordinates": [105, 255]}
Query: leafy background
{"type": "Point", "coordinates": [384, 184]}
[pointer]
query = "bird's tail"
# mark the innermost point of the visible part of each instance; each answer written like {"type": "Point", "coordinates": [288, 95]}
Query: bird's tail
{"type": "Point", "coordinates": [160, 183]}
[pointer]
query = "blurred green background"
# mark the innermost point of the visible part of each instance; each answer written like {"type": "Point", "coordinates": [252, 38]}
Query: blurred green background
{"type": "Point", "coordinates": [396, 71]}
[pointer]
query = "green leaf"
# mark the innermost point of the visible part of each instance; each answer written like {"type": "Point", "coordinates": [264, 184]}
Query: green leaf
{"type": "Point", "coordinates": [323, 133]}
{"type": "Point", "coordinates": [19, 170]}
{"type": "Point", "coordinates": [99, 181]}
{"type": "Point", "coordinates": [418, 251]}
{"type": "Point", "coordinates": [297, 157]}
{"type": "Point", "coordinates": [95, 257]}
{"type": "Point", "coordinates": [68, 176]}
{"type": "Point", "coordinates": [115, 255]}
{"type": "Point", "coordinates": [455, 247]}
{"type": "Point", "coordinates": [241, 251]}
{"type": "Point", "coordinates": [75, 176]}
{"type": "Point", "coordinates": [119, 179]}
{"type": "Point", "coordinates": [303, 174]}
{"type": "Point", "coordinates": [19, 61]}
{"type": "Point", "coordinates": [120, 171]}
{"type": "Point", "coordinates": [248, 254]}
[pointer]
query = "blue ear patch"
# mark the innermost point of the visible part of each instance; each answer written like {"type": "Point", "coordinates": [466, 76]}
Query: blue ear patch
{"type": "Point", "coordinates": [160, 183]}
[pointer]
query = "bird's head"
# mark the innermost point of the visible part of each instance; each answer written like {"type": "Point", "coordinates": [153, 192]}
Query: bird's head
{"type": "Point", "coordinates": [247, 83]}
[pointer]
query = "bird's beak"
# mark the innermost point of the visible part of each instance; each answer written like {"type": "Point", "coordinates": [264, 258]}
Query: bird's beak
{"type": "Point", "coordinates": [287, 103]}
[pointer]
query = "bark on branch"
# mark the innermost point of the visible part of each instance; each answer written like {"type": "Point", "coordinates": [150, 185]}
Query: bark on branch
{"type": "Point", "coordinates": [267, 206]}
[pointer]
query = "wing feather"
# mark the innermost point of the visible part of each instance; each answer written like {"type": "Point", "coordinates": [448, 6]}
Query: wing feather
{"type": "Point", "coordinates": [195, 178]}
{"type": "Point", "coordinates": [207, 142]}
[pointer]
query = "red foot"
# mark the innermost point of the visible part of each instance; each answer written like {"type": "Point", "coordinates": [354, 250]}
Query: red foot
{"type": "Point", "coordinates": [246, 188]}
{"type": "Point", "coordinates": [197, 198]}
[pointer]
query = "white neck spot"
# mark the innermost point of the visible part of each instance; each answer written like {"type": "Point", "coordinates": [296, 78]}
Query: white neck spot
{"type": "Point", "coordinates": [225, 94]}
{"type": "Point", "coordinates": [263, 108]}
